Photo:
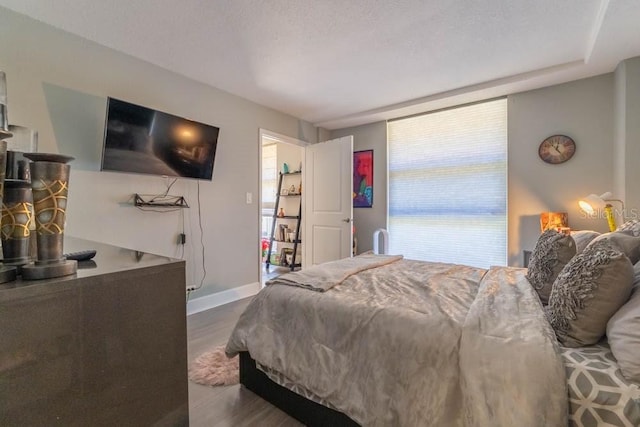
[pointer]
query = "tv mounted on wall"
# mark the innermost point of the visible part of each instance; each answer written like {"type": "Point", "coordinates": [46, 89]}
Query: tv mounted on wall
{"type": "Point", "coordinates": [142, 140]}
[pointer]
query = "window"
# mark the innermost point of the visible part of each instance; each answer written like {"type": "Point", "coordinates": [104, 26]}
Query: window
{"type": "Point", "coordinates": [448, 185]}
{"type": "Point", "coordinates": [269, 185]}
{"type": "Point", "coordinates": [269, 175]}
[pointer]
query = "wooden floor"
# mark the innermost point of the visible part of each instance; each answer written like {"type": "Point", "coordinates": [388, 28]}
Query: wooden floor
{"type": "Point", "coordinates": [231, 405]}
{"type": "Point", "coordinates": [273, 271]}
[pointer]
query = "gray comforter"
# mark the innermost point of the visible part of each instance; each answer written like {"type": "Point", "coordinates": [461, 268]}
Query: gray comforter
{"type": "Point", "coordinates": [413, 343]}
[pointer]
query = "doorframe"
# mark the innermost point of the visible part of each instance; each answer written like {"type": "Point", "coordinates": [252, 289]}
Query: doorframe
{"type": "Point", "coordinates": [265, 134]}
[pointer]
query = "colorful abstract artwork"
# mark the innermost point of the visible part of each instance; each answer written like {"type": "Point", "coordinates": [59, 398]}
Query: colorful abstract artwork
{"type": "Point", "coordinates": [363, 179]}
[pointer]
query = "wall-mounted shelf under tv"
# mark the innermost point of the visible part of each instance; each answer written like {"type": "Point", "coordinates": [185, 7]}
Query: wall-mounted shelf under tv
{"type": "Point", "coordinates": [161, 201]}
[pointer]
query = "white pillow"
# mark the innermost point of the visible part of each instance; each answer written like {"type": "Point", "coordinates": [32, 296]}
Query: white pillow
{"type": "Point", "coordinates": [623, 332]}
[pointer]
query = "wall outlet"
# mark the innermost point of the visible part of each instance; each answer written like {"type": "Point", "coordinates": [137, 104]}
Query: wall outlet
{"type": "Point", "coordinates": [191, 288]}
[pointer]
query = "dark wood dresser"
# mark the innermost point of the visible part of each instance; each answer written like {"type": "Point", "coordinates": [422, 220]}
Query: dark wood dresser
{"type": "Point", "coordinates": [106, 346]}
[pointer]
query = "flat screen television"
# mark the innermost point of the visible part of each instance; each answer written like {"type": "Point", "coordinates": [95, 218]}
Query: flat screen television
{"type": "Point", "coordinates": [142, 140]}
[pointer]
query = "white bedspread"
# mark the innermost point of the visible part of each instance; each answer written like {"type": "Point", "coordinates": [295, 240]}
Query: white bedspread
{"type": "Point", "coordinates": [414, 343]}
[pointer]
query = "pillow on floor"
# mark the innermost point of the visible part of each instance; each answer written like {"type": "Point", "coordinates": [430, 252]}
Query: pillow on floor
{"type": "Point", "coordinates": [551, 253]}
{"type": "Point", "coordinates": [623, 332]}
{"type": "Point", "coordinates": [587, 293]}
{"type": "Point", "coordinates": [625, 241]}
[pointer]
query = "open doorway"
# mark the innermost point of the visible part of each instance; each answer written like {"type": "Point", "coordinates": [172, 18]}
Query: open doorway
{"type": "Point", "coordinates": [275, 151]}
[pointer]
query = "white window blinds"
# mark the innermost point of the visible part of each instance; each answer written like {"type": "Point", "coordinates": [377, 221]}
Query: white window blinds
{"type": "Point", "coordinates": [448, 185]}
{"type": "Point", "coordinates": [269, 175]}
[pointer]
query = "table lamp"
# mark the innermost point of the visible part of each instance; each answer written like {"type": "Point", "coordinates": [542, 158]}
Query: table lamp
{"type": "Point", "coordinates": [591, 203]}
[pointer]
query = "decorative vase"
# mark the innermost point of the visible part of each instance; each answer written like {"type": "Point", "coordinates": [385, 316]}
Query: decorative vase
{"type": "Point", "coordinates": [17, 218]}
{"type": "Point", "coordinates": [7, 273]}
{"type": "Point", "coordinates": [23, 140]}
{"type": "Point", "coordinates": [49, 185]}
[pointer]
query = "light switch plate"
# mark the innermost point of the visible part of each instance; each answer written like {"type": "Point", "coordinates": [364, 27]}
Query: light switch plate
{"type": "Point", "coordinates": [249, 198]}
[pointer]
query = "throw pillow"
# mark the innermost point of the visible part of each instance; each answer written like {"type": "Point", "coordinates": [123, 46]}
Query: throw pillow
{"type": "Point", "coordinates": [625, 241]}
{"type": "Point", "coordinates": [552, 252]}
{"type": "Point", "coordinates": [587, 292]}
{"type": "Point", "coordinates": [623, 332]}
{"type": "Point", "coordinates": [583, 238]}
{"type": "Point", "coordinates": [632, 225]}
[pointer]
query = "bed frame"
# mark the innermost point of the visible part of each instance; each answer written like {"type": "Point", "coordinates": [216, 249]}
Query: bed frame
{"type": "Point", "coordinates": [300, 408]}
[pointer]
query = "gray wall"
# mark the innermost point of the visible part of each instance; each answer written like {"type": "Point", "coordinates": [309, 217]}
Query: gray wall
{"type": "Point", "coordinates": [627, 134]}
{"type": "Point", "coordinates": [368, 220]}
{"type": "Point", "coordinates": [58, 84]}
{"type": "Point", "coordinates": [582, 109]}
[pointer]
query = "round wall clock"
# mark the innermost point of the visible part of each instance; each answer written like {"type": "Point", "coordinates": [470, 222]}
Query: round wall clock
{"type": "Point", "coordinates": [557, 149]}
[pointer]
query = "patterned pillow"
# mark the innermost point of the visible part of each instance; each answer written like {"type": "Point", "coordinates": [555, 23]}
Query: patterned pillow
{"type": "Point", "coordinates": [625, 241]}
{"type": "Point", "coordinates": [623, 332]}
{"type": "Point", "coordinates": [551, 253]}
{"type": "Point", "coordinates": [587, 292]}
{"type": "Point", "coordinates": [633, 226]}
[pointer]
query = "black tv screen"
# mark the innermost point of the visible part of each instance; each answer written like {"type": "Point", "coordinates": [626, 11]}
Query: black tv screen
{"type": "Point", "coordinates": [142, 140]}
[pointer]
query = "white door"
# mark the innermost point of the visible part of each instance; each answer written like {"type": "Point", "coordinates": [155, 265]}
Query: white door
{"type": "Point", "coordinates": [328, 201]}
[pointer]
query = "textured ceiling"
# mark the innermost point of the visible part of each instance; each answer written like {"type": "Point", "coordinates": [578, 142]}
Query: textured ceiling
{"type": "Point", "coordinates": [340, 63]}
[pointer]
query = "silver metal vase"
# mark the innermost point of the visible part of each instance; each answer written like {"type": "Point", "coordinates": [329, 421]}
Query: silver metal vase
{"type": "Point", "coordinates": [7, 273]}
{"type": "Point", "coordinates": [17, 219]}
{"type": "Point", "coordinates": [49, 186]}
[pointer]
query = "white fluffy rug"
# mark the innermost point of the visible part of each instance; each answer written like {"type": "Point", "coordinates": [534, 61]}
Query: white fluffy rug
{"type": "Point", "coordinates": [214, 368]}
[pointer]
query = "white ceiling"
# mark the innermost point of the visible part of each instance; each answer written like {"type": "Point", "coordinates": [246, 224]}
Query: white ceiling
{"type": "Point", "coordinates": [339, 63]}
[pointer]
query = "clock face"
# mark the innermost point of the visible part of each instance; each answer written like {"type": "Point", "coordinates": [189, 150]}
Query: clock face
{"type": "Point", "coordinates": [557, 149]}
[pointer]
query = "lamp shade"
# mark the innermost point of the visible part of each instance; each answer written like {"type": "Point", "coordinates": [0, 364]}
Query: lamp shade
{"type": "Point", "coordinates": [593, 202]}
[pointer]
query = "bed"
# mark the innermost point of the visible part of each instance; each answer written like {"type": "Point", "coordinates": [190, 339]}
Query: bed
{"type": "Point", "coordinates": [380, 340]}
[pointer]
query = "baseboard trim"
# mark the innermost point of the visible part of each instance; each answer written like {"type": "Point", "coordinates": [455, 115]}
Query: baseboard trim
{"type": "Point", "coordinates": [220, 298]}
